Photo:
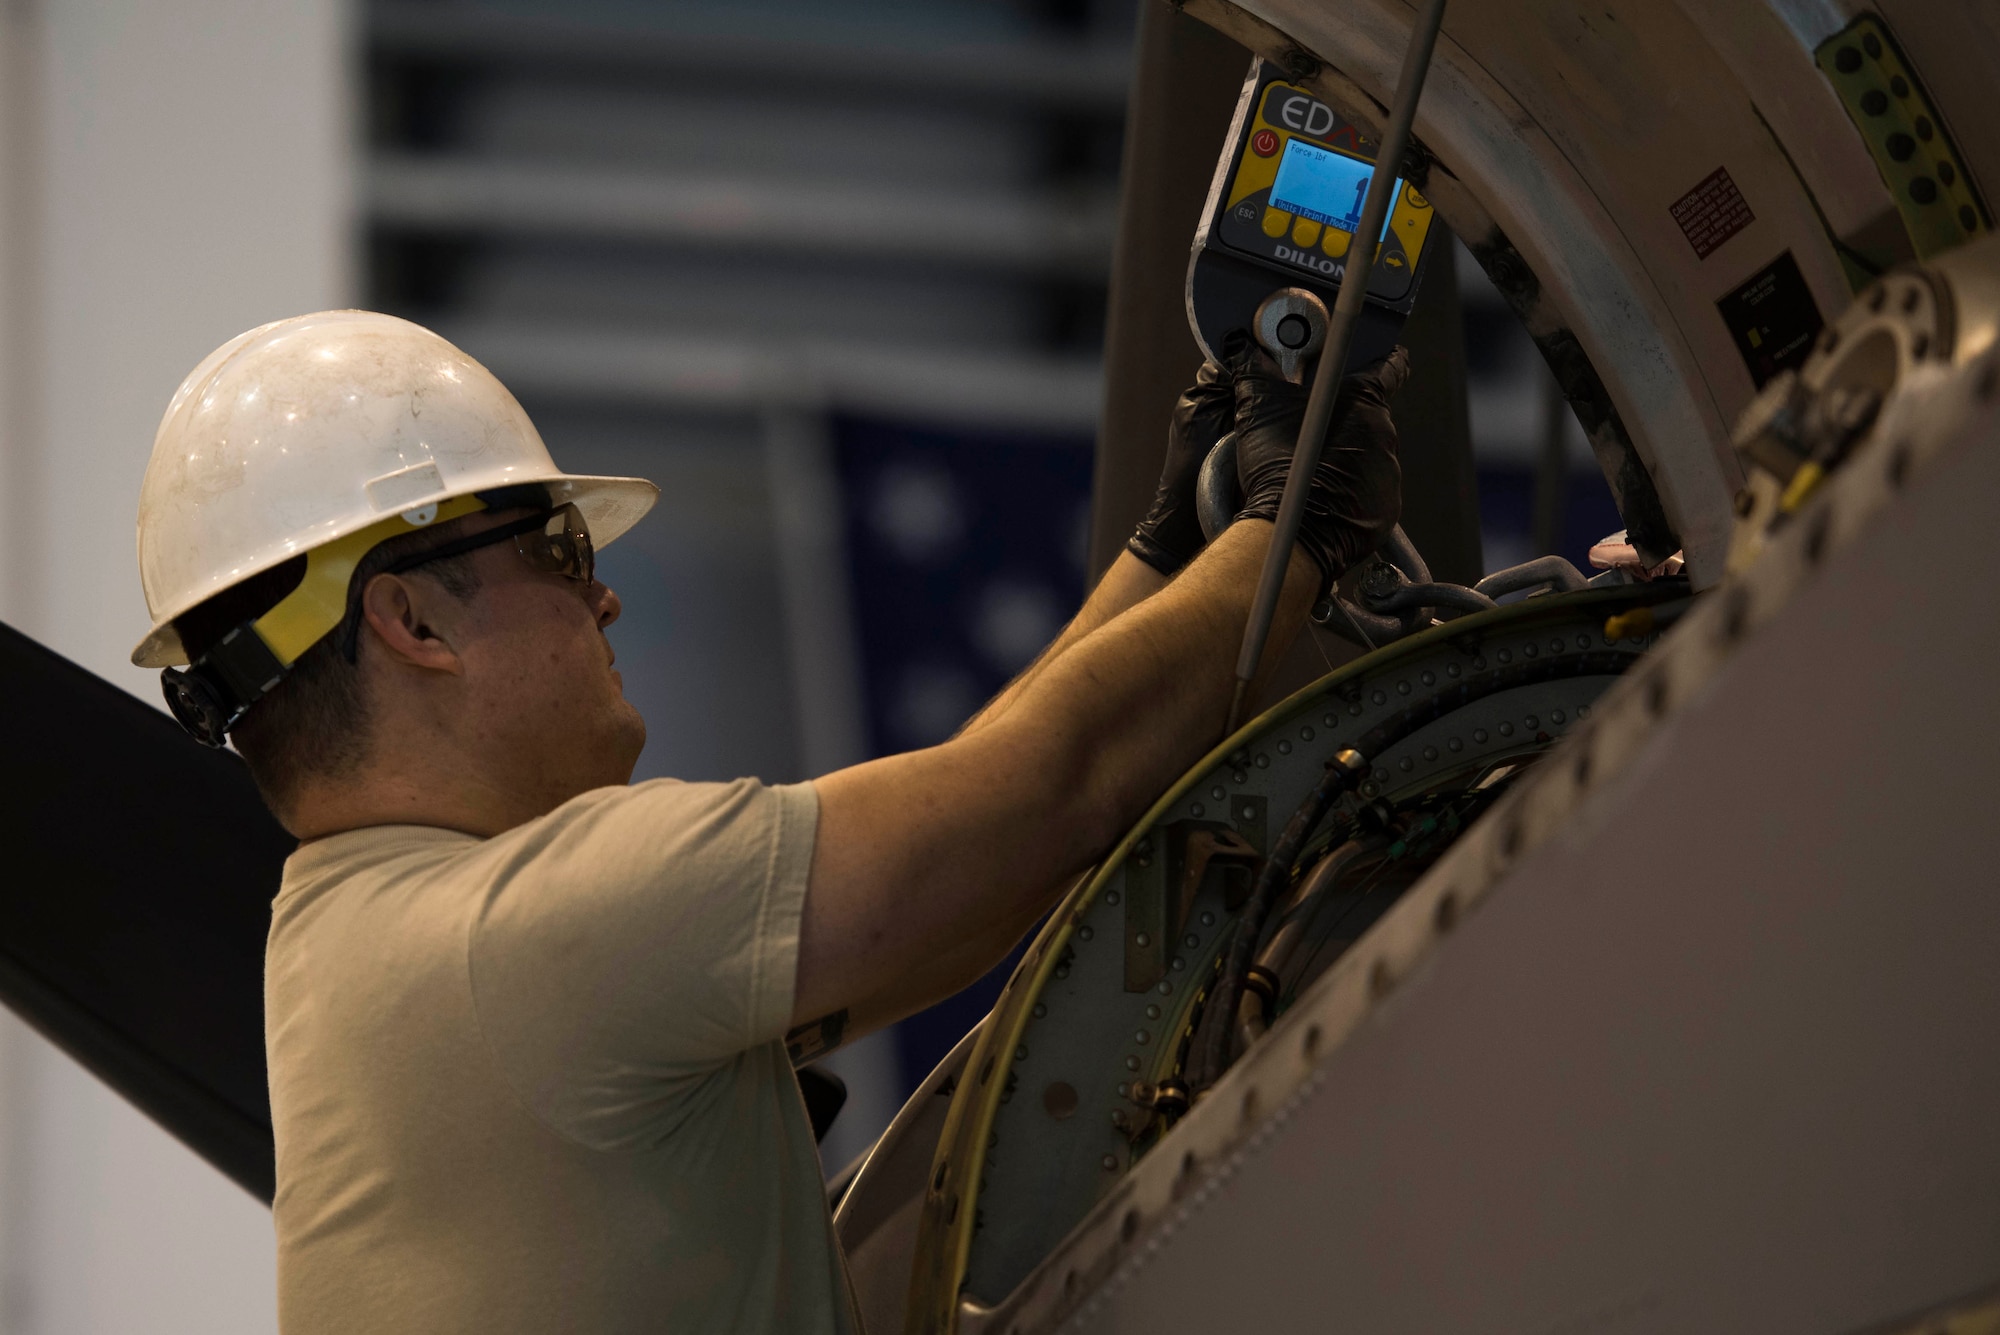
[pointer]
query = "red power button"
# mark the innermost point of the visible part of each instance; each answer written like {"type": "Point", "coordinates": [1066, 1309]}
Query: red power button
{"type": "Point", "coordinates": [1263, 143]}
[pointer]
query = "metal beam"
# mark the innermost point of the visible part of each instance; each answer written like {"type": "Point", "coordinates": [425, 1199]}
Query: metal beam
{"type": "Point", "coordinates": [1184, 88]}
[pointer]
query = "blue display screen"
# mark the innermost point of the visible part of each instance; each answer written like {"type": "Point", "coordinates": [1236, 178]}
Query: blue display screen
{"type": "Point", "coordinates": [1324, 186]}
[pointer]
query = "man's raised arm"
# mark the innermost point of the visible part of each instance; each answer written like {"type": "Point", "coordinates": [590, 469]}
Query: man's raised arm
{"type": "Point", "coordinates": [972, 840]}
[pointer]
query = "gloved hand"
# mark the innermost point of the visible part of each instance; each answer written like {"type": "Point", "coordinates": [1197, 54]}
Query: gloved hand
{"type": "Point", "coordinates": [1357, 489]}
{"type": "Point", "coordinates": [1170, 534]}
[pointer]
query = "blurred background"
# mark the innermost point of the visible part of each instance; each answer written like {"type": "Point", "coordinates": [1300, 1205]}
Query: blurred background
{"type": "Point", "coordinates": [832, 273]}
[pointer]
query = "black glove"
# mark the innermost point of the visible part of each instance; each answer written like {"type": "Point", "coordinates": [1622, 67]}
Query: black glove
{"type": "Point", "coordinates": [1357, 490]}
{"type": "Point", "coordinates": [1170, 534]}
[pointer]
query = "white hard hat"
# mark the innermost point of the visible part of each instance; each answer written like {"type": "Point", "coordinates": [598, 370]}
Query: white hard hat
{"type": "Point", "coordinates": [309, 430]}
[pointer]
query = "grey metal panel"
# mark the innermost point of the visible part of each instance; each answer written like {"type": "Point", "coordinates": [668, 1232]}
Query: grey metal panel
{"type": "Point", "coordinates": [1722, 1052]}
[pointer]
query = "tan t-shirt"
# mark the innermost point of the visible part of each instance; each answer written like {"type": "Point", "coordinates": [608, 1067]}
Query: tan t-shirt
{"type": "Point", "coordinates": [536, 1082]}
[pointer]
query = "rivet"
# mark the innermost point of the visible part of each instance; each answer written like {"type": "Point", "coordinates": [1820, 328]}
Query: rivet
{"type": "Point", "coordinates": [1557, 717]}
{"type": "Point", "coordinates": [1430, 753]}
{"type": "Point", "coordinates": [1381, 776]}
{"type": "Point", "coordinates": [1241, 776]}
{"type": "Point", "coordinates": [1453, 744]}
{"type": "Point", "coordinates": [1528, 651]}
{"type": "Point", "coordinates": [1110, 1162]}
{"type": "Point", "coordinates": [1504, 656]}
{"type": "Point", "coordinates": [1331, 720]}
{"type": "Point", "coordinates": [1445, 916]}
{"type": "Point", "coordinates": [1021, 1053]}
{"type": "Point", "coordinates": [1402, 688]}
{"type": "Point", "coordinates": [1583, 711]}
{"type": "Point", "coordinates": [1736, 617]}
{"type": "Point", "coordinates": [1451, 669]}
{"type": "Point", "coordinates": [1428, 677]}
{"type": "Point", "coordinates": [1152, 1012]}
{"type": "Point", "coordinates": [1479, 736]}
{"type": "Point", "coordinates": [1284, 748]}
{"type": "Point", "coordinates": [1208, 919]}
{"type": "Point", "coordinates": [1179, 963]}
{"type": "Point", "coordinates": [1218, 792]}
{"type": "Point", "coordinates": [1141, 940]}
{"type": "Point", "coordinates": [1131, 1063]}
{"type": "Point", "coordinates": [1041, 1010]}
{"type": "Point", "coordinates": [1249, 813]}
{"type": "Point", "coordinates": [1531, 723]}
{"type": "Point", "coordinates": [1556, 645]}
{"type": "Point", "coordinates": [1305, 734]}
{"type": "Point", "coordinates": [1192, 941]}
{"type": "Point", "coordinates": [1142, 1037]}
{"type": "Point", "coordinates": [1111, 896]}
{"type": "Point", "coordinates": [1899, 463]}
{"type": "Point", "coordinates": [1263, 761]}
{"type": "Point", "coordinates": [1379, 698]}
{"type": "Point", "coordinates": [1059, 1100]}
{"type": "Point", "coordinates": [1062, 970]}
{"type": "Point", "coordinates": [1506, 730]}
{"type": "Point", "coordinates": [1165, 987]}
{"type": "Point", "coordinates": [1197, 810]}
{"type": "Point", "coordinates": [1085, 932]}
{"type": "Point", "coordinates": [1405, 764]}
{"type": "Point", "coordinates": [1354, 711]}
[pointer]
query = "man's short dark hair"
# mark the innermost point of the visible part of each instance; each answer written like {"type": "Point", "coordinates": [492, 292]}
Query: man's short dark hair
{"type": "Point", "coordinates": [315, 721]}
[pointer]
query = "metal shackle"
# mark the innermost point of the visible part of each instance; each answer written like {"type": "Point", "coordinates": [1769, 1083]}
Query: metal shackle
{"type": "Point", "coordinates": [1291, 326]}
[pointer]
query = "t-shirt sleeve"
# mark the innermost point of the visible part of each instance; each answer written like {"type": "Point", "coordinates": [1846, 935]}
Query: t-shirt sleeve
{"type": "Point", "coordinates": [635, 940]}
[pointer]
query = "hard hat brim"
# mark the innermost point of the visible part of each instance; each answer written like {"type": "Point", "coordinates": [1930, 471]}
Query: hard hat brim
{"type": "Point", "coordinates": [611, 505]}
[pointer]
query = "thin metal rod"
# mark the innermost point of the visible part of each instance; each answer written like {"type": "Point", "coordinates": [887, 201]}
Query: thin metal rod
{"type": "Point", "coordinates": [1333, 359]}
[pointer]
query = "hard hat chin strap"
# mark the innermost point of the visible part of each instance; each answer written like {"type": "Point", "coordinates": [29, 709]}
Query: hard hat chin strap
{"type": "Point", "coordinates": [211, 695]}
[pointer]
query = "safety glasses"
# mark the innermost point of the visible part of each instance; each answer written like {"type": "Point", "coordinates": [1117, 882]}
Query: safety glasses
{"type": "Point", "coordinates": [555, 542]}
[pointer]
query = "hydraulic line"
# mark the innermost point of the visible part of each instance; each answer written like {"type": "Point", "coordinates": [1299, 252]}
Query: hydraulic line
{"type": "Point", "coordinates": [1333, 360]}
{"type": "Point", "coordinates": [1211, 1058]}
{"type": "Point", "coordinates": [1253, 1010]}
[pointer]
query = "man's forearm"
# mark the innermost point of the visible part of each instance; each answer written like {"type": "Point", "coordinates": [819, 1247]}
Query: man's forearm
{"type": "Point", "coordinates": [1170, 662]}
{"type": "Point", "coordinates": [970, 842]}
{"type": "Point", "coordinates": [1125, 585]}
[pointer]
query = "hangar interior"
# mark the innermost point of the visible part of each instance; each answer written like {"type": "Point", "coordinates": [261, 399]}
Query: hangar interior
{"type": "Point", "coordinates": [1636, 972]}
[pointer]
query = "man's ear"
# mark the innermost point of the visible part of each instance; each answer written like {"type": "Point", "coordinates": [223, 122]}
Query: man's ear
{"type": "Point", "coordinates": [403, 615]}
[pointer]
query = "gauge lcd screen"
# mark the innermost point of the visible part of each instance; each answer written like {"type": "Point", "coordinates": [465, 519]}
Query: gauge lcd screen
{"type": "Point", "coordinates": [1324, 186]}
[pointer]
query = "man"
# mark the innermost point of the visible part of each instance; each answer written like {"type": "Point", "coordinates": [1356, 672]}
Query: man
{"type": "Point", "coordinates": [525, 1021]}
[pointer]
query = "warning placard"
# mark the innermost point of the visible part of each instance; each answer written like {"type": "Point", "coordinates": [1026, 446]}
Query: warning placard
{"type": "Point", "coordinates": [1712, 212]}
{"type": "Point", "coordinates": [1773, 318]}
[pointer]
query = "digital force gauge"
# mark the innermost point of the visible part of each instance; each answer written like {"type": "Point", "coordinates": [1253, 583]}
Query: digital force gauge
{"type": "Point", "coordinates": [1281, 217]}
